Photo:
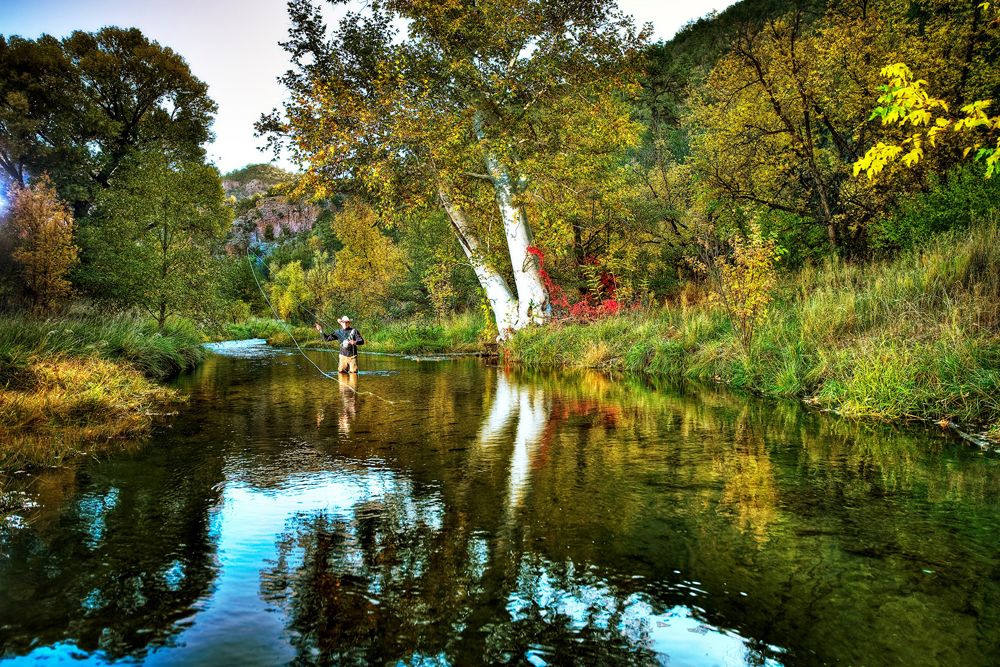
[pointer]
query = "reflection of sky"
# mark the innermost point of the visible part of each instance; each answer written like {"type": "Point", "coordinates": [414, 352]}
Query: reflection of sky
{"type": "Point", "coordinates": [92, 510]}
{"type": "Point", "coordinates": [675, 635]}
{"type": "Point", "coordinates": [237, 624]}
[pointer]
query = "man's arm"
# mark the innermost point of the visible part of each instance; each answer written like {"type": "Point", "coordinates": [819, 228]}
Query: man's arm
{"type": "Point", "coordinates": [326, 337]}
{"type": "Point", "coordinates": [358, 340]}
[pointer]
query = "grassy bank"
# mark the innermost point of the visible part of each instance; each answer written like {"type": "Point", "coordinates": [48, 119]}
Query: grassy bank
{"type": "Point", "coordinates": [458, 333]}
{"type": "Point", "coordinates": [917, 337]}
{"type": "Point", "coordinates": [70, 383]}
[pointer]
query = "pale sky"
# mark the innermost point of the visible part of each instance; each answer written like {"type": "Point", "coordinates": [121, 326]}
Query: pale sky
{"type": "Point", "coordinates": [232, 45]}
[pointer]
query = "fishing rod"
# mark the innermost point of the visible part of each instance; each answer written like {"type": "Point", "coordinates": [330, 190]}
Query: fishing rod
{"type": "Point", "coordinates": [299, 347]}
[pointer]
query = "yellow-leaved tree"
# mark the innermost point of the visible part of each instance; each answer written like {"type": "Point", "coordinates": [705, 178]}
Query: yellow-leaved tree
{"type": "Point", "coordinates": [905, 101]}
{"type": "Point", "coordinates": [489, 111]}
{"type": "Point", "coordinates": [368, 265]}
{"type": "Point", "coordinates": [916, 120]}
{"type": "Point", "coordinates": [743, 281]}
{"type": "Point", "coordinates": [45, 252]}
{"type": "Point", "coordinates": [784, 116]}
{"type": "Point", "coordinates": [289, 293]}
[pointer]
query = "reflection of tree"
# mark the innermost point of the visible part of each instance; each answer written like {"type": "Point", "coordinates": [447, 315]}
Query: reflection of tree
{"type": "Point", "coordinates": [500, 516]}
{"type": "Point", "coordinates": [116, 568]}
{"type": "Point", "coordinates": [748, 481]}
{"type": "Point", "coordinates": [365, 586]}
{"type": "Point", "coordinates": [379, 587]}
{"type": "Point", "coordinates": [528, 405]}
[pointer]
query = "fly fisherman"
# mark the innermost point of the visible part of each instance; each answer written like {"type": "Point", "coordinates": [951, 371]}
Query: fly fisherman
{"type": "Point", "coordinates": [349, 338]}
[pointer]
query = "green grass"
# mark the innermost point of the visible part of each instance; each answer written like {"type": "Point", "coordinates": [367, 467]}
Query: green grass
{"type": "Point", "coordinates": [67, 384]}
{"type": "Point", "coordinates": [458, 333]}
{"type": "Point", "coordinates": [916, 337]}
{"type": "Point", "coordinates": [157, 354]}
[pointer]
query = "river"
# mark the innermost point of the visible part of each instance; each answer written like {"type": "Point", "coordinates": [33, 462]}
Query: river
{"type": "Point", "coordinates": [447, 512]}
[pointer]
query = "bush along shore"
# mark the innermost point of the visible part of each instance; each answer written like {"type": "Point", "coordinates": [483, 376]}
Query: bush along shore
{"type": "Point", "coordinates": [68, 385]}
{"type": "Point", "coordinates": [917, 337]}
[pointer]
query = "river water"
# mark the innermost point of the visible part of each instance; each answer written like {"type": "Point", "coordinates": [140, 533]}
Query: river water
{"type": "Point", "coordinates": [447, 512]}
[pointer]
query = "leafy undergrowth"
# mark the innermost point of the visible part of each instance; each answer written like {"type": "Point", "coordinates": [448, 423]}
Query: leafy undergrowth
{"type": "Point", "coordinates": [917, 337]}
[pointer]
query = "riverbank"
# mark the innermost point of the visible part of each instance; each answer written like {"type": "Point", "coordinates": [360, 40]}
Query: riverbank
{"type": "Point", "coordinates": [458, 333]}
{"type": "Point", "coordinates": [917, 337]}
{"type": "Point", "coordinates": [68, 385]}
{"type": "Point", "coordinates": [913, 338]}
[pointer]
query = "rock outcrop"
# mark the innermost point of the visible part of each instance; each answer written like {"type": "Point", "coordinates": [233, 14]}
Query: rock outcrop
{"type": "Point", "coordinates": [263, 214]}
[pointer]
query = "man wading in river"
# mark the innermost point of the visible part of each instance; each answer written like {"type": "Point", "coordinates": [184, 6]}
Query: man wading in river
{"type": "Point", "coordinates": [349, 338]}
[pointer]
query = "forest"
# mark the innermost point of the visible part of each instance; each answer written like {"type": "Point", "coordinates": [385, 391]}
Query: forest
{"type": "Point", "coordinates": [794, 198]}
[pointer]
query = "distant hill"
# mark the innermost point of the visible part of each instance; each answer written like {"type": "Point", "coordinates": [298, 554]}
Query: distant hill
{"type": "Point", "coordinates": [263, 214]}
{"type": "Point", "coordinates": [252, 179]}
{"type": "Point", "coordinates": [675, 67]}
{"type": "Point", "coordinates": [704, 40]}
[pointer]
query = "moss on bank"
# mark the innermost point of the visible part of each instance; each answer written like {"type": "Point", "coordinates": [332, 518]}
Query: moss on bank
{"type": "Point", "coordinates": [67, 385]}
{"type": "Point", "coordinates": [917, 337]}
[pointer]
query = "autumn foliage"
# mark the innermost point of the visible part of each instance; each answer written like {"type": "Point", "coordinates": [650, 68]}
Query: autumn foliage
{"type": "Point", "coordinates": [45, 253]}
{"type": "Point", "coordinates": [743, 282]}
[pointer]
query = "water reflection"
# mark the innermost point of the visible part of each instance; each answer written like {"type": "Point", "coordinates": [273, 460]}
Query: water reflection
{"type": "Point", "coordinates": [493, 516]}
{"type": "Point", "coordinates": [75, 570]}
{"type": "Point", "coordinates": [527, 407]}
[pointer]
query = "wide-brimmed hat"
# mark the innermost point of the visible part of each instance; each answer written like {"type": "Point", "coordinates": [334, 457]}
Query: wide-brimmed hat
{"type": "Point", "coordinates": [344, 318]}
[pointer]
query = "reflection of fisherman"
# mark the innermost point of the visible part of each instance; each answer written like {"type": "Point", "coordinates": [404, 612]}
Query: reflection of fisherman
{"type": "Point", "coordinates": [349, 399]}
{"type": "Point", "coordinates": [349, 338]}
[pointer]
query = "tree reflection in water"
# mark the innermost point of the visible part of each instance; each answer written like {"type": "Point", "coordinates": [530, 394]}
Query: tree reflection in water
{"type": "Point", "coordinates": [77, 573]}
{"type": "Point", "coordinates": [492, 516]}
{"type": "Point", "coordinates": [389, 577]}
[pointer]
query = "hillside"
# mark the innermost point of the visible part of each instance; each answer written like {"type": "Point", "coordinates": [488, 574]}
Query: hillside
{"type": "Point", "coordinates": [262, 212]}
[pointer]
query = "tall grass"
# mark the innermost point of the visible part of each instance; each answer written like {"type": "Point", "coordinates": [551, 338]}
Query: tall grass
{"type": "Point", "coordinates": [65, 384]}
{"type": "Point", "coordinates": [918, 336]}
{"type": "Point", "coordinates": [157, 353]}
{"type": "Point", "coordinates": [458, 333]}
{"type": "Point", "coordinates": [64, 405]}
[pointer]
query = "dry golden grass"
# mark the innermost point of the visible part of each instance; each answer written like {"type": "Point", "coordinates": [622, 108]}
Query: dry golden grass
{"type": "Point", "coordinates": [57, 407]}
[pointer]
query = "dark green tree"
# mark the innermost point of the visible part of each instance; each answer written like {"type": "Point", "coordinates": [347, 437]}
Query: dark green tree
{"type": "Point", "coordinates": [153, 236]}
{"type": "Point", "coordinates": [78, 107]}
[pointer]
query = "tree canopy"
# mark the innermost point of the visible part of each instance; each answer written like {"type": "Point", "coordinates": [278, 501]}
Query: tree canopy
{"type": "Point", "coordinates": [76, 108]}
{"type": "Point", "coordinates": [477, 109]}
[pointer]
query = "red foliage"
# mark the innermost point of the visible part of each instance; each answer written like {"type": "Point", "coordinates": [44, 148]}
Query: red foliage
{"type": "Point", "coordinates": [587, 309]}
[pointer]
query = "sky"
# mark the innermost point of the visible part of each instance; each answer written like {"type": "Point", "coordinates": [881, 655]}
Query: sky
{"type": "Point", "coordinates": [232, 45]}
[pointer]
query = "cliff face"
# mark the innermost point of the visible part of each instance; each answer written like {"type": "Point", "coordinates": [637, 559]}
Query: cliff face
{"type": "Point", "coordinates": [263, 215]}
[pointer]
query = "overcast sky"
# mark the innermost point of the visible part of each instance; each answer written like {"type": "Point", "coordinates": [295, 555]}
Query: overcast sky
{"type": "Point", "coordinates": [233, 46]}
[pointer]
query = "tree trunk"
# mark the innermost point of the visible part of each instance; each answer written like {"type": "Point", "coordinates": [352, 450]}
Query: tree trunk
{"type": "Point", "coordinates": [532, 297]}
{"type": "Point", "coordinates": [502, 301]}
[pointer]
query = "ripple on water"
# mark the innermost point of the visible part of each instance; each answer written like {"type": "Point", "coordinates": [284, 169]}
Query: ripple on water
{"type": "Point", "coordinates": [251, 348]}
